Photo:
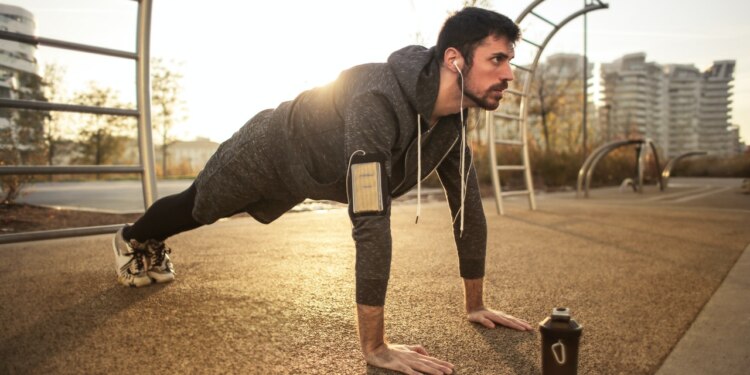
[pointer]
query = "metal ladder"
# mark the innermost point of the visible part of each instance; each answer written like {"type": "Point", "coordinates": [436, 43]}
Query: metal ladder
{"type": "Point", "coordinates": [525, 167]}
{"type": "Point", "coordinates": [522, 117]}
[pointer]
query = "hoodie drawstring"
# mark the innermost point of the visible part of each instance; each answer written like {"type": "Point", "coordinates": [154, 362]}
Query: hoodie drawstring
{"type": "Point", "coordinates": [419, 167]}
{"type": "Point", "coordinates": [462, 171]}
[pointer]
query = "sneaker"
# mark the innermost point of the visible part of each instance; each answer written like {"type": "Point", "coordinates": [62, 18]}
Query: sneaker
{"type": "Point", "coordinates": [160, 267]}
{"type": "Point", "coordinates": [129, 261]}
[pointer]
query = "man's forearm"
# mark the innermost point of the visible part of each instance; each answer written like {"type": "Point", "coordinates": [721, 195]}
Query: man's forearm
{"type": "Point", "coordinates": [473, 294]}
{"type": "Point", "coordinates": [370, 322]}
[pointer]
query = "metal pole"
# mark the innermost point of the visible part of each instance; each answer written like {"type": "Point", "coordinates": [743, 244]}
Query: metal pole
{"type": "Point", "coordinates": [67, 169]}
{"type": "Point", "coordinates": [609, 121]}
{"type": "Point", "coordinates": [37, 40]}
{"type": "Point", "coordinates": [585, 79]}
{"type": "Point", "coordinates": [47, 106]}
{"type": "Point", "coordinates": [143, 93]}
{"type": "Point", "coordinates": [58, 233]}
{"type": "Point", "coordinates": [492, 144]}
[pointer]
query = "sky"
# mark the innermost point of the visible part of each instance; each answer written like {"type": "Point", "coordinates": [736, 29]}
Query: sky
{"type": "Point", "coordinates": [239, 57]}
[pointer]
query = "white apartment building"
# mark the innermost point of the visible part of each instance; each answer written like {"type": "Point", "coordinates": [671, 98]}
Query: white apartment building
{"type": "Point", "coordinates": [15, 56]}
{"type": "Point", "coordinates": [677, 106]}
{"type": "Point", "coordinates": [17, 61]}
{"type": "Point", "coordinates": [634, 99]}
{"type": "Point", "coordinates": [735, 144]}
{"type": "Point", "coordinates": [683, 97]}
{"type": "Point", "coordinates": [714, 132]}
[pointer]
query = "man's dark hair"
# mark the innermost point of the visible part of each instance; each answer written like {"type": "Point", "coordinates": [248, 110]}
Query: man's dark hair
{"type": "Point", "coordinates": [469, 26]}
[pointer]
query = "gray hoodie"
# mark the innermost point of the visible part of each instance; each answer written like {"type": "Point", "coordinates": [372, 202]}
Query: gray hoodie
{"type": "Point", "coordinates": [302, 149]}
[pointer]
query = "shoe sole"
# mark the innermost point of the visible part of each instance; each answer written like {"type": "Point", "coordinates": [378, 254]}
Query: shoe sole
{"type": "Point", "coordinates": [161, 279]}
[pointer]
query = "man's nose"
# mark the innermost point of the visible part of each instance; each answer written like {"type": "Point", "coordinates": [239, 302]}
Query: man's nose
{"type": "Point", "coordinates": [507, 73]}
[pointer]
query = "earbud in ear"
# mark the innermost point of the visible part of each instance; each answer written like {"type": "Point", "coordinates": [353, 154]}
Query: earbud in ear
{"type": "Point", "coordinates": [455, 63]}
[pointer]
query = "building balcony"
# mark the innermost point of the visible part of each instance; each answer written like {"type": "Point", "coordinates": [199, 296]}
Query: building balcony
{"type": "Point", "coordinates": [716, 94]}
{"type": "Point", "coordinates": [715, 102]}
{"type": "Point", "coordinates": [18, 64]}
{"type": "Point", "coordinates": [714, 116]}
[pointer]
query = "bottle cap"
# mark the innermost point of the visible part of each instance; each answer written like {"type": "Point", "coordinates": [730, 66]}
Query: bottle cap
{"type": "Point", "coordinates": [561, 314]}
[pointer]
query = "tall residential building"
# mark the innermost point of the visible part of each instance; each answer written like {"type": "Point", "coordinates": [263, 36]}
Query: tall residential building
{"type": "Point", "coordinates": [634, 99]}
{"type": "Point", "coordinates": [683, 83]}
{"type": "Point", "coordinates": [14, 56]}
{"type": "Point", "coordinates": [715, 99]}
{"type": "Point", "coordinates": [676, 105]}
{"type": "Point", "coordinates": [21, 132]}
{"type": "Point", "coordinates": [736, 145]}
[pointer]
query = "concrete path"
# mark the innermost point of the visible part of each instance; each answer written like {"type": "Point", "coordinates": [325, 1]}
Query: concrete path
{"type": "Point", "coordinates": [279, 299]}
{"type": "Point", "coordinates": [718, 341]}
{"type": "Point", "coordinates": [106, 196]}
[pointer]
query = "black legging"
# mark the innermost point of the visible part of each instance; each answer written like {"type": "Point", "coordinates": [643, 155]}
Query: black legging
{"type": "Point", "coordinates": [166, 217]}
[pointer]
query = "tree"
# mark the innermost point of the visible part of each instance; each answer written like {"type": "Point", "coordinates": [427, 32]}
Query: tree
{"type": "Point", "coordinates": [554, 85]}
{"type": "Point", "coordinates": [167, 105]}
{"type": "Point", "coordinates": [101, 139]}
{"type": "Point", "coordinates": [52, 87]}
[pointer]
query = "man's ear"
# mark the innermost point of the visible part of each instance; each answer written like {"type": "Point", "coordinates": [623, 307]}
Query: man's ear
{"type": "Point", "coordinates": [453, 60]}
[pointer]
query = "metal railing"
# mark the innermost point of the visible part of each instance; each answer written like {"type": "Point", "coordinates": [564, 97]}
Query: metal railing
{"type": "Point", "coordinates": [587, 169]}
{"type": "Point", "coordinates": [142, 113]}
{"type": "Point", "coordinates": [666, 173]}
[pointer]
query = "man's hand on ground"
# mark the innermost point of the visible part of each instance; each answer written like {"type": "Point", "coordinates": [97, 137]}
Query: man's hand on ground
{"type": "Point", "coordinates": [408, 359]}
{"type": "Point", "coordinates": [489, 318]}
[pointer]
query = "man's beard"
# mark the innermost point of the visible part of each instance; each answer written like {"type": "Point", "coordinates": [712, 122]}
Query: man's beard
{"type": "Point", "coordinates": [484, 100]}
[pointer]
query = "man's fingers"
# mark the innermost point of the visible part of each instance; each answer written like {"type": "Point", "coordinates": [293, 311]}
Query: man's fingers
{"type": "Point", "coordinates": [422, 368]}
{"type": "Point", "coordinates": [511, 322]}
{"type": "Point", "coordinates": [418, 348]}
{"type": "Point", "coordinates": [527, 325]}
{"type": "Point", "coordinates": [432, 365]}
{"type": "Point", "coordinates": [429, 367]}
{"type": "Point", "coordinates": [410, 360]}
{"type": "Point", "coordinates": [522, 322]}
{"type": "Point", "coordinates": [489, 318]}
{"type": "Point", "coordinates": [488, 322]}
{"type": "Point", "coordinates": [442, 365]}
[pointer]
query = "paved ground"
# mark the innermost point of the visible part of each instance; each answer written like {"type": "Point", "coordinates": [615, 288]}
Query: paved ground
{"type": "Point", "coordinates": [107, 196]}
{"type": "Point", "coordinates": [636, 270]}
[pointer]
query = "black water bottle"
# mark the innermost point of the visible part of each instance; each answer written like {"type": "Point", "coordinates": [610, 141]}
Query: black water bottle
{"type": "Point", "coordinates": [560, 338]}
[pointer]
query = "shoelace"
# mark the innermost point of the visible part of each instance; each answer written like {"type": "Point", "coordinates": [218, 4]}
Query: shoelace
{"type": "Point", "coordinates": [159, 250]}
{"type": "Point", "coordinates": [137, 261]}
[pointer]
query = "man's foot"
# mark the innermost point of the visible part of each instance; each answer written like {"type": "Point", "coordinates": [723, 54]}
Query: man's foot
{"type": "Point", "coordinates": [160, 267]}
{"type": "Point", "coordinates": [129, 261]}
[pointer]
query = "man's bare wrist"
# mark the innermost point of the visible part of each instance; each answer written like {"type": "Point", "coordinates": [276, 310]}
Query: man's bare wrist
{"type": "Point", "coordinates": [474, 294]}
{"type": "Point", "coordinates": [472, 308]}
{"type": "Point", "coordinates": [371, 328]}
{"type": "Point", "coordinates": [373, 350]}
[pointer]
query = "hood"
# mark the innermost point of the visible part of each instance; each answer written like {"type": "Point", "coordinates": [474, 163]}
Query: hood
{"type": "Point", "coordinates": [418, 75]}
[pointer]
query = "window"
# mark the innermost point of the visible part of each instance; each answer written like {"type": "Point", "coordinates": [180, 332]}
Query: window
{"type": "Point", "coordinates": [729, 71]}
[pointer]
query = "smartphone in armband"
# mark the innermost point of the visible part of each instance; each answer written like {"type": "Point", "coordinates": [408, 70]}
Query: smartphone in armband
{"type": "Point", "coordinates": [367, 195]}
